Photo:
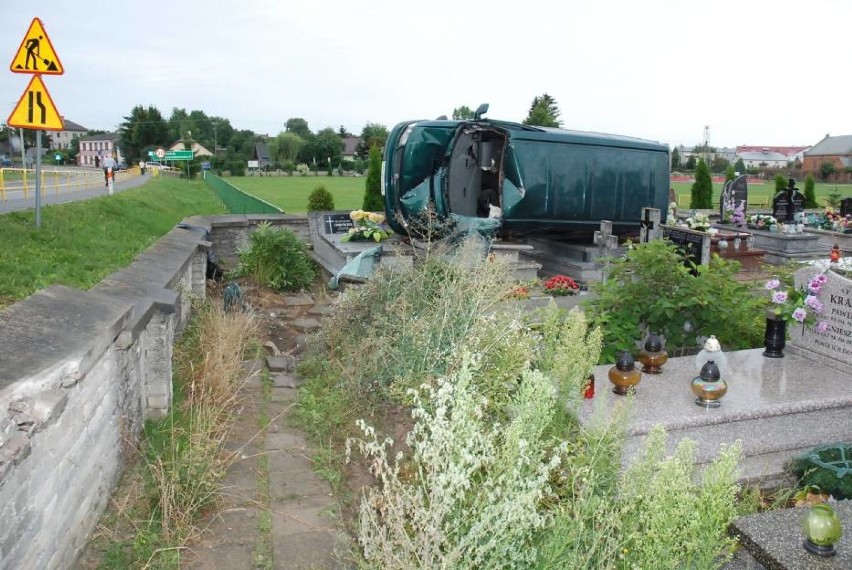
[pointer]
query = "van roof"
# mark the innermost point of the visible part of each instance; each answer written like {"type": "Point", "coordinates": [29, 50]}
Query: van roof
{"type": "Point", "coordinates": [518, 131]}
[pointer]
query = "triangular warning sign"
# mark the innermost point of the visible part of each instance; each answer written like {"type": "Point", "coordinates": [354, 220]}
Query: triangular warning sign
{"type": "Point", "coordinates": [36, 54]}
{"type": "Point", "coordinates": [36, 110]}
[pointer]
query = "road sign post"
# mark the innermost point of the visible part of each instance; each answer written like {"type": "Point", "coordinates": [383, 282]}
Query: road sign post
{"type": "Point", "coordinates": [35, 109]}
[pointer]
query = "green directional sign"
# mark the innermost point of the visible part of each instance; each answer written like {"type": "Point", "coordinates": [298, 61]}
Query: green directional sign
{"type": "Point", "coordinates": [178, 155]}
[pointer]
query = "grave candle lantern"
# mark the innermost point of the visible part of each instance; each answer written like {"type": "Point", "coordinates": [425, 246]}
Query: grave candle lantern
{"type": "Point", "coordinates": [708, 386]}
{"type": "Point", "coordinates": [654, 355]}
{"type": "Point", "coordinates": [624, 375]}
{"type": "Point", "coordinates": [822, 530]}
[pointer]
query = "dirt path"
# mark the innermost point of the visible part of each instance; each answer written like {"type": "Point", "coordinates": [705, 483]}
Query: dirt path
{"type": "Point", "coordinates": [276, 513]}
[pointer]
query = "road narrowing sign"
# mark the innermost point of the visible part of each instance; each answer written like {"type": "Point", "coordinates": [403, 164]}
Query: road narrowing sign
{"type": "Point", "coordinates": [36, 109]}
{"type": "Point", "coordinates": [36, 54]}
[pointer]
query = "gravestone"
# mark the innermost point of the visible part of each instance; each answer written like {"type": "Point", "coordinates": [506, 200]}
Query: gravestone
{"type": "Point", "coordinates": [649, 225]}
{"type": "Point", "coordinates": [846, 206]}
{"type": "Point", "coordinates": [725, 199]}
{"type": "Point", "coordinates": [337, 223]}
{"type": "Point", "coordinates": [836, 343]}
{"type": "Point", "coordinates": [734, 192]}
{"type": "Point", "coordinates": [787, 203]}
{"type": "Point", "coordinates": [781, 206]}
{"type": "Point", "coordinates": [607, 244]}
{"type": "Point", "coordinates": [694, 245]}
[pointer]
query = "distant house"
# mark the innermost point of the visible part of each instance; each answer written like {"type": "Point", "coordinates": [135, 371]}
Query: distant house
{"type": "Point", "coordinates": [763, 159]}
{"type": "Point", "coordinates": [99, 146]}
{"type": "Point", "coordinates": [834, 150]}
{"type": "Point", "coordinates": [350, 147]}
{"type": "Point", "coordinates": [772, 154]}
{"type": "Point", "coordinates": [261, 154]}
{"type": "Point", "coordinates": [61, 140]}
{"type": "Point", "coordinates": [196, 148]}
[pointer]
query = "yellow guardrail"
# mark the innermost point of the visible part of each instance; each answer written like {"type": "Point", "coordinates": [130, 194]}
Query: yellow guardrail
{"type": "Point", "coordinates": [22, 179]}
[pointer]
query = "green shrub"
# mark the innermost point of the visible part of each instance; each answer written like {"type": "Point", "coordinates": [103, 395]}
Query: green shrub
{"type": "Point", "coordinates": [702, 190]}
{"type": "Point", "coordinates": [373, 191]}
{"type": "Point", "coordinates": [652, 289]}
{"type": "Point", "coordinates": [320, 200]}
{"type": "Point", "coordinates": [277, 258]}
{"type": "Point", "coordinates": [810, 193]}
{"type": "Point", "coordinates": [780, 183]}
{"type": "Point", "coordinates": [655, 517]}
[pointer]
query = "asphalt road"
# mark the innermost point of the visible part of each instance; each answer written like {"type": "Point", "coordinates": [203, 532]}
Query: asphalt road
{"type": "Point", "coordinates": [15, 200]}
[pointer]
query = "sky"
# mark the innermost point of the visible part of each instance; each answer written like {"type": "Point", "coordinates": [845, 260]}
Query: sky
{"type": "Point", "coordinates": [757, 72]}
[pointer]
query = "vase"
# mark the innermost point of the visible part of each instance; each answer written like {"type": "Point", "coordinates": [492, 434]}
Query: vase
{"type": "Point", "coordinates": [775, 337]}
{"type": "Point", "coordinates": [822, 529]}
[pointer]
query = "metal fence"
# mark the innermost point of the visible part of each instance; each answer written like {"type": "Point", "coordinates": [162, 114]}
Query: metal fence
{"type": "Point", "coordinates": [20, 182]}
{"type": "Point", "coordinates": [237, 201]}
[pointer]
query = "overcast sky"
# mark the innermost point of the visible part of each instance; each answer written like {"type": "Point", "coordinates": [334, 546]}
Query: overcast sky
{"type": "Point", "coordinates": [758, 72]}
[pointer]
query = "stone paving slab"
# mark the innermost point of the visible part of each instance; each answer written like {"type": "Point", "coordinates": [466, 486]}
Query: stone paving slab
{"type": "Point", "coordinates": [298, 300]}
{"type": "Point", "coordinates": [305, 325]}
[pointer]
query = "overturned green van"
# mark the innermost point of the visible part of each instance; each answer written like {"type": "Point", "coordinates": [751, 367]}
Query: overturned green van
{"type": "Point", "coordinates": [523, 179]}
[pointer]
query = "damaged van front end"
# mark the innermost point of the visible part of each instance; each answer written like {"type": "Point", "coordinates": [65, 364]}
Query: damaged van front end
{"type": "Point", "coordinates": [506, 177]}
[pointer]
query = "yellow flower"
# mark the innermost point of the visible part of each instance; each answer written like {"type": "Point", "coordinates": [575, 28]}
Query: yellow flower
{"type": "Point", "coordinates": [376, 218]}
{"type": "Point", "coordinates": [356, 215]}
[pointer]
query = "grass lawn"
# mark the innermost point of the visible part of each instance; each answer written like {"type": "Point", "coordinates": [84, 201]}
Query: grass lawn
{"type": "Point", "coordinates": [81, 243]}
{"type": "Point", "coordinates": [290, 193]}
{"type": "Point", "coordinates": [758, 191]}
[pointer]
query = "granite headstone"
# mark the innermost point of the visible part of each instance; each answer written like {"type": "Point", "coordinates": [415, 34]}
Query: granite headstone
{"type": "Point", "coordinates": [846, 206]}
{"type": "Point", "coordinates": [337, 223]}
{"type": "Point", "coordinates": [694, 245]}
{"type": "Point", "coordinates": [788, 202]}
{"type": "Point", "coordinates": [836, 298]}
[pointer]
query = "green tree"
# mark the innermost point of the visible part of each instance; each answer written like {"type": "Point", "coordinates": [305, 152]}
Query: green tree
{"type": "Point", "coordinates": [144, 126]}
{"type": "Point", "coordinates": [373, 192]}
{"type": "Point", "coordinates": [343, 133]}
{"type": "Point", "coordinates": [298, 126]}
{"type": "Point", "coordinates": [739, 166]}
{"type": "Point", "coordinates": [729, 173]}
{"type": "Point", "coordinates": [675, 158]}
{"type": "Point", "coordinates": [690, 162]}
{"type": "Point", "coordinates": [780, 183]}
{"type": "Point", "coordinates": [810, 192]}
{"type": "Point", "coordinates": [720, 164]}
{"type": "Point", "coordinates": [702, 189]}
{"type": "Point", "coordinates": [543, 112]}
{"type": "Point", "coordinates": [288, 146]}
{"type": "Point", "coordinates": [462, 113]}
{"type": "Point", "coordinates": [373, 134]}
{"type": "Point", "coordinates": [826, 169]}
{"type": "Point", "coordinates": [324, 145]}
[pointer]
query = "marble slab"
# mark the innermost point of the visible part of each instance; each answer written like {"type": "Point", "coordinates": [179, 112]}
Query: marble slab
{"type": "Point", "coordinates": [836, 342]}
{"type": "Point", "coordinates": [774, 406]}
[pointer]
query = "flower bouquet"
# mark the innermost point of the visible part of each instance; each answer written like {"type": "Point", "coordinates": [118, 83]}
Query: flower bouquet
{"type": "Point", "coordinates": [367, 227]}
{"type": "Point", "coordinates": [800, 305]}
{"type": "Point", "coordinates": [561, 285]}
{"type": "Point", "coordinates": [699, 222]}
{"type": "Point", "coordinates": [761, 221]}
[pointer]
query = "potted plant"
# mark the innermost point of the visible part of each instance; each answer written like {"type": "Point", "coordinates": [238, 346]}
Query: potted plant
{"type": "Point", "coordinates": [368, 227]}
{"type": "Point", "coordinates": [561, 285]}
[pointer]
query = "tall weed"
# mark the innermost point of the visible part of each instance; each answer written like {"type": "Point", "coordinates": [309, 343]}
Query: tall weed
{"type": "Point", "coordinates": [277, 258]}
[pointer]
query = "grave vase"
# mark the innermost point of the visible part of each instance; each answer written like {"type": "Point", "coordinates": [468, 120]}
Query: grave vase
{"type": "Point", "coordinates": [775, 336]}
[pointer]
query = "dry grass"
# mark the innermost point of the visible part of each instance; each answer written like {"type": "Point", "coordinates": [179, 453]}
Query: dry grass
{"type": "Point", "coordinates": [154, 515]}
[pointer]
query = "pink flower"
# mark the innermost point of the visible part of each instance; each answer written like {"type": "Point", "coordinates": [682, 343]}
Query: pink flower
{"type": "Point", "coordinates": [800, 314]}
{"type": "Point", "coordinates": [772, 284]}
{"type": "Point", "coordinates": [779, 297]}
{"type": "Point", "coordinates": [821, 327]}
{"type": "Point", "coordinates": [814, 303]}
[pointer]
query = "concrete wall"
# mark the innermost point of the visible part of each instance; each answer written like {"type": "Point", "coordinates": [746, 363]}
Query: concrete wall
{"type": "Point", "coordinates": [80, 371]}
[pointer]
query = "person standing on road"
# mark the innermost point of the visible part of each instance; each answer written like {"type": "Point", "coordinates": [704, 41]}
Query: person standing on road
{"type": "Point", "coordinates": [142, 166]}
{"type": "Point", "coordinates": [108, 164]}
